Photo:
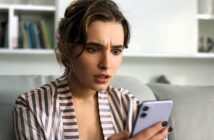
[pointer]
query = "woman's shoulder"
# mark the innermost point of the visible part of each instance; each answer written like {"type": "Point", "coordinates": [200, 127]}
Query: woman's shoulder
{"type": "Point", "coordinates": [41, 94]}
{"type": "Point", "coordinates": [122, 93]}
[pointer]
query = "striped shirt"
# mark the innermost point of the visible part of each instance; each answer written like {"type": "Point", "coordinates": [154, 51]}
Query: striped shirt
{"type": "Point", "coordinates": [47, 113]}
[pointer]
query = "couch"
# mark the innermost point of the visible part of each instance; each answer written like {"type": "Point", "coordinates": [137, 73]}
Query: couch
{"type": "Point", "coordinates": [192, 117]}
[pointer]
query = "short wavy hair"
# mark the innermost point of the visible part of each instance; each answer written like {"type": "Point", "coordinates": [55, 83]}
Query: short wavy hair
{"type": "Point", "coordinates": [72, 29]}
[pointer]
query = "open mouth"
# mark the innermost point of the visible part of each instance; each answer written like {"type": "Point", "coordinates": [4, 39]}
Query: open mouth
{"type": "Point", "coordinates": [102, 78]}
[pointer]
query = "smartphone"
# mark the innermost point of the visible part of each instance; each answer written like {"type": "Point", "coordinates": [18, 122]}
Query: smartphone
{"type": "Point", "coordinates": [150, 113]}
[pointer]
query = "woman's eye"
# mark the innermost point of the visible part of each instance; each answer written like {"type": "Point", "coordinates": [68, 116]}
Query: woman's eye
{"type": "Point", "coordinates": [116, 51]}
{"type": "Point", "coordinates": [92, 49]}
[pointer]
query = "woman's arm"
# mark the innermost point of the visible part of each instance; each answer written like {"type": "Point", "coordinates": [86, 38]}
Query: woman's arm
{"type": "Point", "coordinates": [25, 123]}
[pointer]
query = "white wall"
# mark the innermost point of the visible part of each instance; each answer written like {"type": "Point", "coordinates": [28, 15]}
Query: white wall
{"type": "Point", "coordinates": [162, 26]}
{"type": "Point", "coordinates": [27, 64]}
{"type": "Point", "coordinates": [179, 71]}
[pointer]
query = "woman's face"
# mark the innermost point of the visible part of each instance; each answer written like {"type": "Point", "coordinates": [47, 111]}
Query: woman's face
{"type": "Point", "coordinates": [99, 62]}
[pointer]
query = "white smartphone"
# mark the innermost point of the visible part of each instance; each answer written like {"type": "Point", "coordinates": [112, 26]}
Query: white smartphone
{"type": "Point", "coordinates": [150, 113]}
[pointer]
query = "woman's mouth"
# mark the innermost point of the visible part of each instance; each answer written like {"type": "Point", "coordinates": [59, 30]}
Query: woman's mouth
{"type": "Point", "coordinates": [102, 78]}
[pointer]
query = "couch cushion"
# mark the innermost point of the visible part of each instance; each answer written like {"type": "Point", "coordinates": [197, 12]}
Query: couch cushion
{"type": "Point", "coordinates": [6, 127]}
{"type": "Point", "coordinates": [135, 86]}
{"type": "Point", "coordinates": [193, 115]}
{"type": "Point", "coordinates": [10, 88]}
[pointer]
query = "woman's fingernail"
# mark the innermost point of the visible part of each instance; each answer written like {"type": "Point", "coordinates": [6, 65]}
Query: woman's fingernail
{"type": "Point", "coordinates": [170, 129]}
{"type": "Point", "coordinates": [164, 124]}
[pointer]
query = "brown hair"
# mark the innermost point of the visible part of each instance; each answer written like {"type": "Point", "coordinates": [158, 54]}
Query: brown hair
{"type": "Point", "coordinates": [72, 30]}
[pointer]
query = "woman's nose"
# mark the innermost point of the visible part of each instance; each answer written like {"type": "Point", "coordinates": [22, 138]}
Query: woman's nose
{"type": "Point", "coordinates": [105, 62]}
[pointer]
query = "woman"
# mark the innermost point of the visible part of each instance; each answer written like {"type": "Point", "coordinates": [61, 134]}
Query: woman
{"type": "Point", "coordinates": [81, 104]}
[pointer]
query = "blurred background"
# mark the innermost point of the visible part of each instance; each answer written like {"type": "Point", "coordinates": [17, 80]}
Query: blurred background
{"type": "Point", "coordinates": [172, 41]}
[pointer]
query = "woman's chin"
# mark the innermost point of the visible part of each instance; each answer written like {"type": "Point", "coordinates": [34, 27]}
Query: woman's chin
{"type": "Point", "coordinates": [101, 87]}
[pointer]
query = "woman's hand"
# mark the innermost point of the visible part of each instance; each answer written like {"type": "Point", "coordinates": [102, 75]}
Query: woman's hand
{"type": "Point", "coordinates": [157, 132]}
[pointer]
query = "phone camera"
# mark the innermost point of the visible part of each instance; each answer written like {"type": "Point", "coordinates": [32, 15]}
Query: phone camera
{"type": "Point", "coordinates": [143, 115]}
{"type": "Point", "coordinates": [145, 108]}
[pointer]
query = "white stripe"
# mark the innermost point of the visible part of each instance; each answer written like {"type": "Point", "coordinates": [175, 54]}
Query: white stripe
{"type": "Point", "coordinates": [25, 123]}
{"type": "Point", "coordinates": [104, 101]}
{"type": "Point", "coordinates": [55, 125]}
{"type": "Point", "coordinates": [19, 121]}
{"type": "Point", "coordinates": [63, 89]}
{"type": "Point", "coordinates": [37, 107]}
{"type": "Point", "coordinates": [107, 132]}
{"type": "Point", "coordinates": [33, 122]}
{"type": "Point", "coordinates": [103, 98]}
{"type": "Point", "coordinates": [43, 107]}
{"type": "Point", "coordinates": [71, 133]}
{"type": "Point", "coordinates": [69, 127]}
{"type": "Point", "coordinates": [68, 114]}
{"type": "Point", "coordinates": [107, 125]}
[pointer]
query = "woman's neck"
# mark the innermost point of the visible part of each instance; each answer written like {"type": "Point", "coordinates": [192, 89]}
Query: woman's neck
{"type": "Point", "coordinates": [80, 92]}
{"type": "Point", "coordinates": [83, 94]}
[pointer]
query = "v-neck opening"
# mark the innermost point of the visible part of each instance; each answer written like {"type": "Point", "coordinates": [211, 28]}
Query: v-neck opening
{"type": "Point", "coordinates": [70, 122]}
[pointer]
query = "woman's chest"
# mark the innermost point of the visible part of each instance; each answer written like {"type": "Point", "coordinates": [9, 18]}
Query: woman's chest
{"type": "Point", "coordinates": [89, 125]}
{"type": "Point", "coordinates": [82, 121]}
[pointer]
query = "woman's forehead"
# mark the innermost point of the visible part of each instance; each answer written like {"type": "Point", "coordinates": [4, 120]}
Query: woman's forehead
{"type": "Point", "coordinates": [106, 33]}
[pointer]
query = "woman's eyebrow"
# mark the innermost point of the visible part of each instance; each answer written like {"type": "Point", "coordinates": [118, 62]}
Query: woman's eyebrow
{"type": "Point", "coordinates": [100, 45]}
{"type": "Point", "coordinates": [93, 44]}
{"type": "Point", "coordinates": [118, 46]}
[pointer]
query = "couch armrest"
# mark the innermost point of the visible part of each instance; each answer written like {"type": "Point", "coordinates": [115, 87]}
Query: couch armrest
{"type": "Point", "coordinates": [193, 115]}
{"type": "Point", "coordinates": [135, 86]}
